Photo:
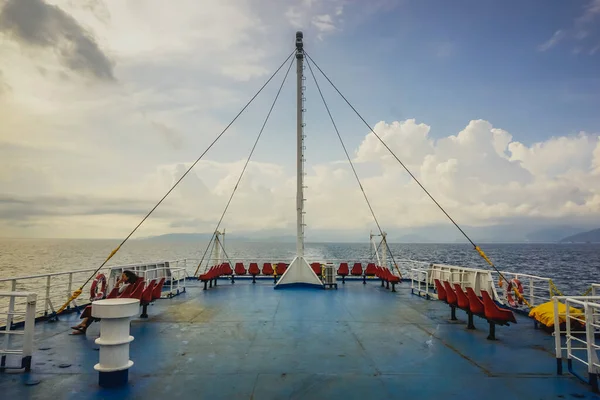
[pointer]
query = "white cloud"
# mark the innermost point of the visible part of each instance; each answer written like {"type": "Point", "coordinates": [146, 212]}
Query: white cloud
{"type": "Point", "coordinates": [556, 37]}
{"type": "Point", "coordinates": [480, 175]}
{"type": "Point", "coordinates": [325, 16]}
{"type": "Point", "coordinates": [583, 30]}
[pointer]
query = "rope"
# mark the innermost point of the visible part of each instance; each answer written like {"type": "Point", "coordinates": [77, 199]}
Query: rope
{"type": "Point", "coordinates": [350, 161]}
{"type": "Point", "coordinates": [248, 159]}
{"type": "Point", "coordinates": [78, 292]}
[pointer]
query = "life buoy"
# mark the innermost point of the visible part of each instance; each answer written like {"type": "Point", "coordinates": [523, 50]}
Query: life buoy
{"type": "Point", "coordinates": [94, 293]}
{"type": "Point", "coordinates": [513, 283]}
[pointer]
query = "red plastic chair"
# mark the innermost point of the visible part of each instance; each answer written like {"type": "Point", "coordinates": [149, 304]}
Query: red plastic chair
{"type": "Point", "coordinates": [441, 292]}
{"type": "Point", "coordinates": [267, 269]}
{"type": "Point", "coordinates": [157, 292]}
{"type": "Point", "coordinates": [281, 267]}
{"type": "Point", "coordinates": [451, 299]}
{"type": "Point", "coordinates": [495, 315]}
{"type": "Point", "coordinates": [463, 303]}
{"type": "Point", "coordinates": [343, 271]}
{"type": "Point", "coordinates": [253, 270]}
{"type": "Point", "coordinates": [475, 303]}
{"type": "Point", "coordinates": [356, 270]}
{"type": "Point", "coordinates": [240, 269]}
{"type": "Point", "coordinates": [370, 270]}
{"type": "Point", "coordinates": [316, 267]}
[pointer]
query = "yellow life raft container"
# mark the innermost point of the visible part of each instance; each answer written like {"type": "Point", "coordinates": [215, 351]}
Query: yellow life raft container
{"type": "Point", "coordinates": [544, 314]}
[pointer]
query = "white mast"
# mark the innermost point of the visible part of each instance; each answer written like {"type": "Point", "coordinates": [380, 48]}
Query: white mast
{"type": "Point", "coordinates": [299, 272]}
{"type": "Point", "coordinates": [300, 143]}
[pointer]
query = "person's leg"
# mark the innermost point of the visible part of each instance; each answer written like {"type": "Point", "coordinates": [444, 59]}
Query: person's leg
{"type": "Point", "coordinates": [82, 327]}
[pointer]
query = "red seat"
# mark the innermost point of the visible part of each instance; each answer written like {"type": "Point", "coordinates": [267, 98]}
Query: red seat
{"type": "Point", "coordinates": [128, 290]}
{"type": "Point", "coordinates": [226, 269]}
{"type": "Point", "coordinates": [316, 267]}
{"type": "Point", "coordinates": [463, 303]}
{"type": "Point", "coordinates": [357, 270]}
{"type": "Point", "coordinates": [450, 295]}
{"type": "Point", "coordinates": [370, 270]}
{"type": "Point", "coordinates": [137, 291]}
{"type": "Point", "coordinates": [157, 292]}
{"type": "Point", "coordinates": [461, 298]}
{"type": "Point", "coordinates": [493, 312]}
{"type": "Point", "coordinates": [281, 267]}
{"type": "Point", "coordinates": [240, 269]}
{"type": "Point", "coordinates": [391, 277]}
{"type": "Point", "coordinates": [450, 299]}
{"type": "Point", "coordinates": [441, 292]}
{"type": "Point", "coordinates": [147, 298]}
{"type": "Point", "coordinates": [343, 270]}
{"type": "Point", "coordinates": [475, 303]}
{"type": "Point", "coordinates": [147, 293]}
{"type": "Point", "coordinates": [113, 293]}
{"type": "Point", "coordinates": [267, 269]}
{"type": "Point", "coordinates": [253, 269]}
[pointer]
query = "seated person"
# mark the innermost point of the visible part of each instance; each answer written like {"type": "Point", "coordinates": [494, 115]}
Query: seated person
{"type": "Point", "coordinates": [127, 278]}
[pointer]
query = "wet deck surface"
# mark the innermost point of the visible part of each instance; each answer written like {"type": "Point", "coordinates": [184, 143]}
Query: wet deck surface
{"type": "Point", "coordinates": [247, 341]}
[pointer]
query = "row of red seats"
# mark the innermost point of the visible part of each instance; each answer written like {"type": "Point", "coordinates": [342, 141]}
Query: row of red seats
{"type": "Point", "coordinates": [484, 307]}
{"type": "Point", "coordinates": [224, 269]}
{"type": "Point", "coordinates": [386, 276]}
{"type": "Point", "coordinates": [146, 294]}
{"type": "Point", "coordinates": [267, 269]}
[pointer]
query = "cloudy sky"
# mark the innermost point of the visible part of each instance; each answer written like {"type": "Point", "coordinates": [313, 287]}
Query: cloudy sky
{"type": "Point", "coordinates": [105, 103]}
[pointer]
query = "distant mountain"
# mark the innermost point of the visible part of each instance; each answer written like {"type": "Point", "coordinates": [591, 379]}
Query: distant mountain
{"type": "Point", "coordinates": [551, 234]}
{"type": "Point", "coordinates": [188, 237]}
{"type": "Point", "coordinates": [443, 233]}
{"type": "Point", "coordinates": [592, 236]}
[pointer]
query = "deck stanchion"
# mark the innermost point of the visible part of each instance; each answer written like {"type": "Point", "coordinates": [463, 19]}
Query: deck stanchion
{"type": "Point", "coordinates": [114, 339]}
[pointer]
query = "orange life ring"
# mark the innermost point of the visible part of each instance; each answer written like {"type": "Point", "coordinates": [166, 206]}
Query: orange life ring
{"type": "Point", "coordinates": [516, 284]}
{"type": "Point", "coordinates": [94, 293]}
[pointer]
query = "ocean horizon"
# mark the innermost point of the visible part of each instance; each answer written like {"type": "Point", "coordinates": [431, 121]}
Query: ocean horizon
{"type": "Point", "coordinates": [571, 266]}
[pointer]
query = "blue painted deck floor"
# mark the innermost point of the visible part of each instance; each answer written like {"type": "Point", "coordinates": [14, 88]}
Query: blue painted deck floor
{"type": "Point", "coordinates": [246, 341]}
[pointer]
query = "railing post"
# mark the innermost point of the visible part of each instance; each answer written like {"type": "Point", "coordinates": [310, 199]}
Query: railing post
{"type": "Point", "coordinates": [11, 305]}
{"type": "Point", "coordinates": [47, 302]}
{"type": "Point", "coordinates": [29, 331]}
{"type": "Point", "coordinates": [568, 334]}
{"type": "Point", "coordinates": [557, 344]}
{"type": "Point", "coordinates": [531, 295]}
{"type": "Point", "coordinates": [69, 289]}
{"type": "Point", "coordinates": [591, 351]}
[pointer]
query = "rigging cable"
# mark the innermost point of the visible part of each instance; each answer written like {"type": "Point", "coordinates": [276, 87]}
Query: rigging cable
{"type": "Point", "coordinates": [477, 248]}
{"type": "Point", "coordinates": [247, 161]}
{"type": "Point", "coordinates": [78, 292]}
{"type": "Point", "coordinates": [351, 164]}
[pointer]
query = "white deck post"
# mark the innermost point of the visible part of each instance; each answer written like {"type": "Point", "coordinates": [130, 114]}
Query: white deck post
{"type": "Point", "coordinates": [114, 339]}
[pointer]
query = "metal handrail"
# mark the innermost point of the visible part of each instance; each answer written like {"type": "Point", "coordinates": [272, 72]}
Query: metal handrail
{"type": "Point", "coordinates": [589, 307]}
{"type": "Point", "coordinates": [26, 348]}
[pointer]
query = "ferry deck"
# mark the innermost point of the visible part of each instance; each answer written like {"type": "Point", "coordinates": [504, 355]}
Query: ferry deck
{"type": "Point", "coordinates": [249, 341]}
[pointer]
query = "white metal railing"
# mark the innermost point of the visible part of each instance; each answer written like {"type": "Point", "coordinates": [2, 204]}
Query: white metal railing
{"type": "Point", "coordinates": [419, 279]}
{"type": "Point", "coordinates": [536, 289]}
{"type": "Point", "coordinates": [423, 279]}
{"type": "Point", "coordinates": [25, 349]}
{"type": "Point", "coordinates": [54, 289]}
{"type": "Point", "coordinates": [595, 289]}
{"type": "Point", "coordinates": [580, 345]}
{"type": "Point", "coordinates": [175, 279]}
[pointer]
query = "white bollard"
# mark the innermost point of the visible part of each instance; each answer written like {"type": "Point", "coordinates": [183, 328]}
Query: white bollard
{"type": "Point", "coordinates": [114, 339]}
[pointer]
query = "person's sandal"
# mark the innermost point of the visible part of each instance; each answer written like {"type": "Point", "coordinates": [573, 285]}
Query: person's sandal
{"type": "Point", "coordinates": [78, 330]}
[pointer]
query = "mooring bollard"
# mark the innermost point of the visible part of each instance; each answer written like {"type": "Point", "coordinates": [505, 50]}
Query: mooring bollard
{"type": "Point", "coordinates": [114, 339]}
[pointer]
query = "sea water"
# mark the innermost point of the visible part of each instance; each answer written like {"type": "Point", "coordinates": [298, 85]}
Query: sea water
{"type": "Point", "coordinates": [571, 266]}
